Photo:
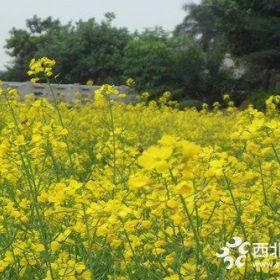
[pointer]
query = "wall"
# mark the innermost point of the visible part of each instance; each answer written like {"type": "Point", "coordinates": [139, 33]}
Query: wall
{"type": "Point", "coordinates": [70, 91]}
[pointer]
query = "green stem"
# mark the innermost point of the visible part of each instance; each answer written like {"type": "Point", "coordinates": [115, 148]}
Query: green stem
{"type": "Point", "coordinates": [62, 124]}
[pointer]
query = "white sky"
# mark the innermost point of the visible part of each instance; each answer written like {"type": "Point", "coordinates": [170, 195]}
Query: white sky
{"type": "Point", "coordinates": [134, 14]}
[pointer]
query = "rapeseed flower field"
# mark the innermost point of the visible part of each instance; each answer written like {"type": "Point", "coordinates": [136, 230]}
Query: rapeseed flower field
{"type": "Point", "coordinates": [106, 190]}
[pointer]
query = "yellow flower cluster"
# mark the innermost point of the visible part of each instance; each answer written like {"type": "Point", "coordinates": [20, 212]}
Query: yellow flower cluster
{"type": "Point", "coordinates": [273, 102]}
{"type": "Point", "coordinates": [102, 190]}
{"type": "Point", "coordinates": [130, 82]}
{"type": "Point", "coordinates": [42, 66]}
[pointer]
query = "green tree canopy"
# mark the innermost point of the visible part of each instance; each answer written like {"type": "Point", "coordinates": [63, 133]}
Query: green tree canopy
{"type": "Point", "coordinates": [251, 31]}
{"type": "Point", "coordinates": [160, 61]}
{"type": "Point", "coordinates": [23, 44]}
{"type": "Point", "coordinates": [84, 50]}
{"type": "Point", "coordinates": [251, 28]}
{"type": "Point", "coordinates": [200, 24]}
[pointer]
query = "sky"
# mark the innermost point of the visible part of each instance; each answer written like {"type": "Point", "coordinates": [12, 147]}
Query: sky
{"type": "Point", "coordinates": [133, 14]}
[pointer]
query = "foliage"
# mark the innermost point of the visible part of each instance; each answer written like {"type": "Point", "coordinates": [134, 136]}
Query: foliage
{"type": "Point", "coordinates": [159, 61]}
{"type": "Point", "coordinates": [251, 29]}
{"type": "Point", "coordinates": [85, 50]}
{"type": "Point", "coordinates": [200, 25]}
{"type": "Point", "coordinates": [23, 44]}
{"type": "Point", "coordinates": [148, 59]}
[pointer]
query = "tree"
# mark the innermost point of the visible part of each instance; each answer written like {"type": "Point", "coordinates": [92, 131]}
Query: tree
{"type": "Point", "coordinates": [200, 24]}
{"type": "Point", "coordinates": [23, 45]}
{"type": "Point", "coordinates": [85, 50]}
{"type": "Point", "coordinates": [251, 28]}
{"type": "Point", "coordinates": [159, 61]}
{"type": "Point", "coordinates": [147, 59]}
